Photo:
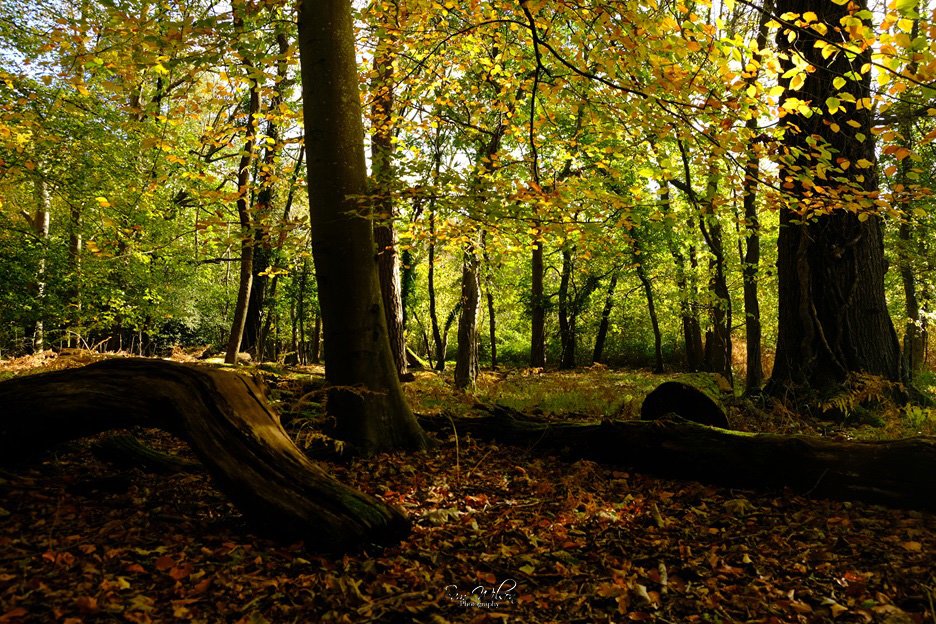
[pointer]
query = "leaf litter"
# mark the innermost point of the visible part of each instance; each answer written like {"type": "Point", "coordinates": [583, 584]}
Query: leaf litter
{"type": "Point", "coordinates": [83, 541]}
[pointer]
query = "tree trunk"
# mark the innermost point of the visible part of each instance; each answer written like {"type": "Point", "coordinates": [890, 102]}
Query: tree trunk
{"type": "Point", "coordinates": [605, 321]}
{"type": "Point", "coordinates": [833, 318]}
{"type": "Point", "coordinates": [74, 265]}
{"type": "Point", "coordinates": [692, 329]}
{"type": "Point", "coordinates": [40, 223]}
{"type": "Point", "coordinates": [651, 306]}
{"type": "Point", "coordinates": [896, 472]}
{"type": "Point", "coordinates": [255, 325]}
{"type": "Point", "coordinates": [537, 308]}
{"type": "Point", "coordinates": [228, 424]}
{"type": "Point", "coordinates": [915, 330]}
{"type": "Point", "coordinates": [466, 361]}
{"type": "Point", "coordinates": [439, 339]}
{"type": "Point", "coordinates": [246, 221]}
{"type": "Point", "coordinates": [382, 124]}
{"type": "Point", "coordinates": [750, 258]}
{"type": "Point", "coordinates": [365, 396]}
{"type": "Point", "coordinates": [489, 293]}
{"type": "Point", "coordinates": [566, 314]}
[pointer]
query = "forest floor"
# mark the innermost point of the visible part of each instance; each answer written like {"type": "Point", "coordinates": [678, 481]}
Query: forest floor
{"type": "Point", "coordinates": [86, 541]}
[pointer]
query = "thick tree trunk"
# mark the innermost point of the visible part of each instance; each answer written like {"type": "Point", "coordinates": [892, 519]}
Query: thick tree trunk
{"type": "Point", "coordinates": [833, 318]}
{"type": "Point", "coordinates": [466, 361]}
{"type": "Point", "coordinates": [365, 395]}
{"type": "Point", "coordinates": [897, 472]}
{"type": "Point", "coordinates": [605, 322]}
{"type": "Point", "coordinates": [229, 425]}
{"type": "Point", "coordinates": [537, 308]}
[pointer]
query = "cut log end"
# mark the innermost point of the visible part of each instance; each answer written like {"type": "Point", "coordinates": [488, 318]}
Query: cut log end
{"type": "Point", "coordinates": [675, 397]}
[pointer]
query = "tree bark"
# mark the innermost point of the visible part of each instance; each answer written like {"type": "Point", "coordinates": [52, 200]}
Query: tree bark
{"type": "Point", "coordinates": [229, 425]}
{"type": "Point", "coordinates": [692, 329]}
{"type": "Point", "coordinates": [365, 395]}
{"type": "Point", "coordinates": [466, 361]}
{"type": "Point", "coordinates": [40, 223]}
{"type": "Point", "coordinates": [833, 318]}
{"type": "Point", "coordinates": [245, 280]}
{"type": "Point", "coordinates": [651, 306]}
{"type": "Point", "coordinates": [895, 472]}
{"type": "Point", "coordinates": [915, 326]}
{"type": "Point", "coordinates": [605, 322]}
{"type": "Point", "coordinates": [567, 337]}
{"type": "Point", "coordinates": [440, 340]}
{"type": "Point", "coordinates": [382, 124]}
{"type": "Point", "coordinates": [255, 323]}
{"type": "Point", "coordinates": [489, 294]}
{"type": "Point", "coordinates": [537, 308]}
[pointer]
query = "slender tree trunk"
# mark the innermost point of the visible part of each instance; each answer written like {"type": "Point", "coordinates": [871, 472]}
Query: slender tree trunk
{"type": "Point", "coordinates": [718, 340]}
{"type": "Point", "coordinates": [566, 313]}
{"type": "Point", "coordinates": [466, 361]}
{"type": "Point", "coordinates": [489, 292]}
{"type": "Point", "coordinates": [287, 209]}
{"type": "Point", "coordinates": [382, 124]}
{"type": "Point", "coordinates": [833, 318]}
{"type": "Point", "coordinates": [256, 325]}
{"type": "Point", "coordinates": [915, 330]}
{"type": "Point", "coordinates": [538, 308]}
{"type": "Point", "coordinates": [315, 344]}
{"type": "Point", "coordinates": [492, 322]}
{"type": "Point", "coordinates": [437, 337]}
{"type": "Point", "coordinates": [651, 305]}
{"type": "Point", "coordinates": [365, 396]}
{"type": "Point", "coordinates": [688, 313]}
{"type": "Point", "coordinates": [40, 223]}
{"type": "Point", "coordinates": [605, 322]}
{"type": "Point", "coordinates": [750, 259]}
{"type": "Point", "coordinates": [74, 265]}
{"type": "Point", "coordinates": [407, 284]}
{"type": "Point", "coordinates": [246, 225]}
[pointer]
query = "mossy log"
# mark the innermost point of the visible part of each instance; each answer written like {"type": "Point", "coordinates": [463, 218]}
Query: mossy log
{"type": "Point", "coordinates": [898, 473]}
{"type": "Point", "coordinates": [676, 397]}
{"type": "Point", "coordinates": [228, 424]}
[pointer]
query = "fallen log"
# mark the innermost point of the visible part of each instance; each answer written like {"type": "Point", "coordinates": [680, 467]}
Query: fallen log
{"type": "Point", "coordinates": [676, 397]}
{"type": "Point", "coordinates": [229, 425]}
{"type": "Point", "coordinates": [897, 473]}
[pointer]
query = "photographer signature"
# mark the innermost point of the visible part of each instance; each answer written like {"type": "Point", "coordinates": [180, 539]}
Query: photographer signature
{"type": "Point", "coordinates": [484, 597]}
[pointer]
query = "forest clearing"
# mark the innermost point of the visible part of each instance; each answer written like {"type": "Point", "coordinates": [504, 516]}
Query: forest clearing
{"type": "Point", "coordinates": [497, 310]}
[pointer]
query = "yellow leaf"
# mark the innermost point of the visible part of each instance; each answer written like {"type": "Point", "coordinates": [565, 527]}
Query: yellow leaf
{"type": "Point", "coordinates": [832, 104]}
{"type": "Point", "coordinates": [863, 163]}
{"type": "Point", "coordinates": [839, 82]}
{"type": "Point", "coordinates": [809, 16]}
{"type": "Point", "coordinates": [853, 123]}
{"type": "Point", "coordinates": [102, 202]}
